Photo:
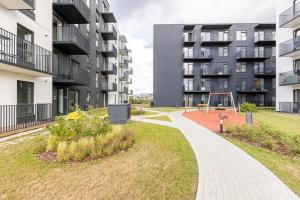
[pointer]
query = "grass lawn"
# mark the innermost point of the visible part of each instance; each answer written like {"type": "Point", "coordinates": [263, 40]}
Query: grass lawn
{"type": "Point", "coordinates": [103, 112]}
{"type": "Point", "coordinates": [286, 123]}
{"type": "Point", "coordinates": [287, 169]}
{"type": "Point", "coordinates": [161, 118]}
{"type": "Point", "coordinates": [160, 165]}
{"type": "Point", "coordinates": [169, 109]}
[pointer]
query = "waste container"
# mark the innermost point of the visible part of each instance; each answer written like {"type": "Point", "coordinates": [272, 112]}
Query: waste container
{"type": "Point", "coordinates": [119, 113]}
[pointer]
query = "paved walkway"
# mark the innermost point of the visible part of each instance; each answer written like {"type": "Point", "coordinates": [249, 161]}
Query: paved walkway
{"type": "Point", "coordinates": [225, 171]}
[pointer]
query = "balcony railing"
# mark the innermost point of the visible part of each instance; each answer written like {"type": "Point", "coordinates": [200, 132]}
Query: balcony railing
{"type": "Point", "coordinates": [124, 90]}
{"type": "Point", "coordinates": [110, 68]}
{"type": "Point", "coordinates": [109, 50]}
{"type": "Point", "coordinates": [265, 72]}
{"type": "Point", "coordinates": [289, 47]}
{"type": "Point", "coordinates": [129, 72]}
{"type": "Point", "coordinates": [124, 77]}
{"type": "Point", "coordinates": [267, 38]}
{"type": "Point", "coordinates": [18, 4]}
{"type": "Point", "coordinates": [195, 57]}
{"type": "Point", "coordinates": [23, 54]}
{"type": "Point", "coordinates": [188, 72]}
{"type": "Point", "coordinates": [216, 41]}
{"type": "Point", "coordinates": [287, 17]}
{"type": "Point", "coordinates": [65, 73]}
{"type": "Point", "coordinates": [250, 56]}
{"type": "Point", "coordinates": [251, 88]}
{"type": "Point", "coordinates": [289, 107]}
{"type": "Point", "coordinates": [70, 40]}
{"type": "Point", "coordinates": [108, 87]}
{"type": "Point", "coordinates": [73, 11]}
{"type": "Point", "coordinates": [107, 16]}
{"type": "Point", "coordinates": [123, 63]}
{"type": "Point", "coordinates": [109, 32]}
{"type": "Point", "coordinates": [15, 117]}
{"type": "Point", "coordinates": [289, 78]}
{"type": "Point", "coordinates": [216, 71]}
{"type": "Point", "coordinates": [123, 50]}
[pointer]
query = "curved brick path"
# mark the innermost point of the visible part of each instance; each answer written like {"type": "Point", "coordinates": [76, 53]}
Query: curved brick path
{"type": "Point", "coordinates": [225, 171]}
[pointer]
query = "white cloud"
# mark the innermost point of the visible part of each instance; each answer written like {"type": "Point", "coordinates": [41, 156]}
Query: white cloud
{"type": "Point", "coordinates": [136, 19]}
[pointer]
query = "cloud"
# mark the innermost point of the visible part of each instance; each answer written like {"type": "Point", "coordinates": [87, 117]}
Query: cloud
{"type": "Point", "coordinates": [136, 19]}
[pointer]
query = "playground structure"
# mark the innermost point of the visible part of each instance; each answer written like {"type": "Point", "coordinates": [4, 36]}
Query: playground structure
{"type": "Point", "coordinates": [212, 95]}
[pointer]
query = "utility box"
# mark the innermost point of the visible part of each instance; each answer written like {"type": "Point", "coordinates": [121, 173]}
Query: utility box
{"type": "Point", "coordinates": [119, 113]}
{"type": "Point", "coordinates": [249, 118]}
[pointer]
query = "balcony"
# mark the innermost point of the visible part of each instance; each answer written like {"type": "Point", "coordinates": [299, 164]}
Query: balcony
{"type": "Point", "coordinates": [73, 11]}
{"type": "Point", "coordinates": [109, 87]}
{"type": "Point", "coordinates": [16, 117]}
{"type": "Point", "coordinates": [109, 32]}
{"type": "Point", "coordinates": [289, 107]}
{"type": "Point", "coordinates": [124, 77]}
{"type": "Point", "coordinates": [129, 59]}
{"type": "Point", "coordinates": [66, 74]}
{"type": "Point", "coordinates": [251, 89]}
{"type": "Point", "coordinates": [243, 56]}
{"type": "Point", "coordinates": [189, 41]}
{"type": "Point", "coordinates": [290, 18]}
{"type": "Point", "coordinates": [188, 73]}
{"type": "Point", "coordinates": [130, 92]}
{"type": "Point", "coordinates": [18, 4]}
{"type": "Point", "coordinates": [289, 78]}
{"type": "Point", "coordinates": [108, 16]}
{"type": "Point", "coordinates": [195, 58]}
{"type": "Point", "coordinates": [110, 69]}
{"type": "Point", "coordinates": [109, 50]}
{"type": "Point", "coordinates": [216, 72]}
{"type": "Point", "coordinates": [265, 40]}
{"type": "Point", "coordinates": [129, 72]}
{"type": "Point", "coordinates": [270, 72]}
{"type": "Point", "coordinates": [290, 48]}
{"type": "Point", "coordinates": [216, 41]}
{"type": "Point", "coordinates": [129, 81]}
{"type": "Point", "coordinates": [198, 89]}
{"type": "Point", "coordinates": [123, 64]}
{"type": "Point", "coordinates": [70, 40]}
{"type": "Point", "coordinates": [124, 90]}
{"type": "Point", "coordinates": [21, 56]}
{"type": "Point", "coordinates": [123, 50]}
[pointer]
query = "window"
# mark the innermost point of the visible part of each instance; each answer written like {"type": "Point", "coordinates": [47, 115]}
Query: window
{"type": "Point", "coordinates": [188, 36]}
{"type": "Point", "coordinates": [205, 52]}
{"type": "Point", "coordinates": [98, 60]}
{"type": "Point", "coordinates": [259, 52]}
{"type": "Point", "coordinates": [223, 36]}
{"type": "Point", "coordinates": [188, 84]}
{"type": "Point", "coordinates": [188, 52]}
{"type": "Point", "coordinates": [88, 29]}
{"type": "Point", "coordinates": [88, 3]}
{"type": "Point", "coordinates": [97, 39]}
{"type": "Point", "coordinates": [241, 35]}
{"type": "Point", "coordinates": [205, 36]}
{"type": "Point", "coordinates": [297, 66]}
{"type": "Point", "coordinates": [88, 97]}
{"type": "Point", "coordinates": [222, 68]}
{"type": "Point", "coordinates": [25, 92]}
{"type": "Point", "coordinates": [273, 51]}
{"type": "Point", "coordinates": [242, 98]}
{"type": "Point", "coordinates": [273, 35]}
{"type": "Point", "coordinates": [97, 80]}
{"type": "Point", "coordinates": [188, 68]}
{"type": "Point", "coordinates": [205, 68]}
{"type": "Point", "coordinates": [297, 95]}
{"type": "Point", "coordinates": [259, 67]}
{"type": "Point", "coordinates": [223, 83]}
{"type": "Point", "coordinates": [203, 98]}
{"type": "Point", "coordinates": [259, 84]}
{"type": "Point", "coordinates": [223, 51]}
{"type": "Point", "coordinates": [188, 100]}
{"type": "Point", "coordinates": [241, 52]}
{"type": "Point", "coordinates": [241, 67]}
{"type": "Point", "coordinates": [205, 84]}
{"type": "Point", "coordinates": [242, 84]}
{"type": "Point", "coordinates": [259, 35]}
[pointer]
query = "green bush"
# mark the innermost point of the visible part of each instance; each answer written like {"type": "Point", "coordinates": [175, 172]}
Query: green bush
{"type": "Point", "coordinates": [248, 107]}
{"type": "Point", "coordinates": [62, 152]}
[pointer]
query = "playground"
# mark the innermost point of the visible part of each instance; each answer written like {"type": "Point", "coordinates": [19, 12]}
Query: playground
{"type": "Point", "coordinates": [216, 112]}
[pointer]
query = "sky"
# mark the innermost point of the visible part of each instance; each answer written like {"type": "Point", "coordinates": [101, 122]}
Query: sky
{"type": "Point", "coordinates": [136, 18]}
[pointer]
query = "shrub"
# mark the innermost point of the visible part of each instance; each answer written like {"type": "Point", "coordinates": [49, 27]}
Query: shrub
{"type": "Point", "coordinates": [248, 107]}
{"type": "Point", "coordinates": [62, 152]}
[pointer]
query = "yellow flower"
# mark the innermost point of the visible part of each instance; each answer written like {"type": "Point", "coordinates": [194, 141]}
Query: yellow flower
{"type": "Point", "coordinates": [74, 116]}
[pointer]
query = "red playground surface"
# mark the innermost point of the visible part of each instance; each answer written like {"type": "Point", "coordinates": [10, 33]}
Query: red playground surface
{"type": "Point", "coordinates": [211, 119]}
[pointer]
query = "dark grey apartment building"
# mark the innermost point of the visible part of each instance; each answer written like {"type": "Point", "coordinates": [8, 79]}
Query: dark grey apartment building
{"type": "Point", "coordinates": [85, 55]}
{"type": "Point", "coordinates": [192, 60]}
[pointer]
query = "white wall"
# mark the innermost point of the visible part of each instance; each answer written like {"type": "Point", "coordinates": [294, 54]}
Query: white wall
{"type": "Point", "coordinates": [283, 64]}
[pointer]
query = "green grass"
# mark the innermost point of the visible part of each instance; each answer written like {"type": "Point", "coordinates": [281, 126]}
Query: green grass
{"type": "Point", "coordinates": [169, 109]}
{"type": "Point", "coordinates": [160, 165]}
{"type": "Point", "coordinates": [287, 169]}
{"type": "Point", "coordinates": [161, 118]}
{"type": "Point", "coordinates": [289, 124]}
{"type": "Point", "coordinates": [99, 112]}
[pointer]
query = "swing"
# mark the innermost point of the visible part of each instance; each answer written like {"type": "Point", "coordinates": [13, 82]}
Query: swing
{"type": "Point", "coordinates": [212, 96]}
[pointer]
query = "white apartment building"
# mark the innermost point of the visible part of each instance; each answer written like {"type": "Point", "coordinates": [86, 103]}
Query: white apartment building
{"type": "Point", "coordinates": [25, 63]}
{"type": "Point", "coordinates": [288, 56]}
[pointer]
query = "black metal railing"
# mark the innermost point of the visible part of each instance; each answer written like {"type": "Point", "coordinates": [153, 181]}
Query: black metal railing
{"type": "Point", "coordinates": [124, 77]}
{"type": "Point", "coordinates": [251, 88]}
{"type": "Point", "coordinates": [289, 107]}
{"type": "Point", "coordinates": [79, 4]}
{"type": "Point", "coordinates": [289, 78]}
{"type": "Point", "coordinates": [289, 46]}
{"type": "Point", "coordinates": [266, 71]}
{"type": "Point", "coordinates": [216, 39]}
{"type": "Point", "coordinates": [24, 54]}
{"type": "Point", "coordinates": [216, 71]}
{"type": "Point", "coordinates": [110, 68]}
{"type": "Point", "coordinates": [70, 33]}
{"type": "Point", "coordinates": [14, 117]}
{"type": "Point", "coordinates": [251, 54]}
{"type": "Point", "coordinates": [108, 87]}
{"type": "Point", "coordinates": [289, 15]}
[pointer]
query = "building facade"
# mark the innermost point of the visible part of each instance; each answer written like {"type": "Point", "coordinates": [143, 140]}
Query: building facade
{"type": "Point", "coordinates": [25, 63]}
{"type": "Point", "coordinates": [288, 57]}
{"type": "Point", "coordinates": [190, 61]}
{"type": "Point", "coordinates": [86, 56]}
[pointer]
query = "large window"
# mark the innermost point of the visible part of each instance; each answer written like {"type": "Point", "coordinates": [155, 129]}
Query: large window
{"type": "Point", "coordinates": [241, 52]}
{"type": "Point", "coordinates": [297, 96]}
{"type": "Point", "coordinates": [97, 80]}
{"type": "Point", "coordinates": [259, 52]}
{"type": "Point", "coordinates": [241, 67]}
{"type": "Point", "coordinates": [188, 100]}
{"type": "Point", "coordinates": [205, 84]}
{"type": "Point", "coordinates": [259, 67]}
{"type": "Point", "coordinates": [242, 84]}
{"type": "Point", "coordinates": [259, 35]}
{"type": "Point", "coordinates": [188, 36]}
{"type": "Point", "coordinates": [223, 83]}
{"type": "Point", "coordinates": [205, 52]}
{"type": "Point", "coordinates": [205, 36]}
{"type": "Point", "coordinates": [274, 51]}
{"type": "Point", "coordinates": [188, 84]}
{"type": "Point", "coordinates": [297, 66]}
{"type": "Point", "coordinates": [188, 52]}
{"type": "Point", "coordinates": [223, 51]}
{"type": "Point", "coordinates": [223, 36]}
{"type": "Point", "coordinates": [259, 84]}
{"type": "Point", "coordinates": [188, 68]}
{"type": "Point", "coordinates": [25, 92]}
{"type": "Point", "coordinates": [241, 35]}
{"type": "Point", "coordinates": [205, 67]}
{"type": "Point", "coordinates": [222, 68]}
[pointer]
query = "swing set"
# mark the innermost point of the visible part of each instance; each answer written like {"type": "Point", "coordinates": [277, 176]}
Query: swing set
{"type": "Point", "coordinates": [212, 95]}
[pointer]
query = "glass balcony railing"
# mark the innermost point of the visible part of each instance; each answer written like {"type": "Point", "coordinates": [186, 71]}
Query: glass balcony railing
{"type": "Point", "coordinates": [289, 47]}
{"type": "Point", "coordinates": [289, 78]}
{"type": "Point", "coordinates": [291, 14]}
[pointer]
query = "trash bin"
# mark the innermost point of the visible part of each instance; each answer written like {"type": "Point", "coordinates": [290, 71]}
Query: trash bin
{"type": "Point", "coordinates": [119, 113]}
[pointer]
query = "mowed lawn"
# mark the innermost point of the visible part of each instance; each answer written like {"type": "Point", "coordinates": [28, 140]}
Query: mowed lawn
{"type": "Point", "coordinates": [161, 118]}
{"type": "Point", "coordinates": [169, 109]}
{"type": "Point", "coordinates": [289, 124]}
{"type": "Point", "coordinates": [160, 165]}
